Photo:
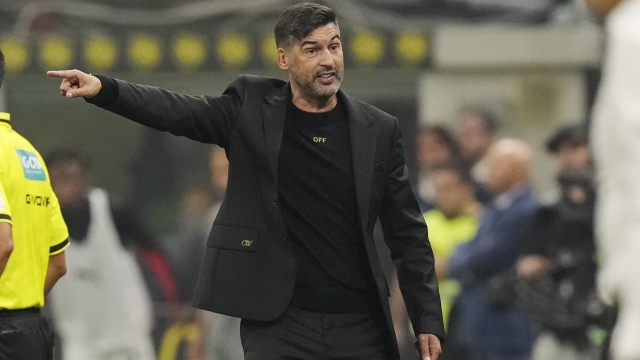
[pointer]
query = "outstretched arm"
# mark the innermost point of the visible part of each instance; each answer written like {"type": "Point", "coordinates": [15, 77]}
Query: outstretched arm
{"type": "Point", "coordinates": [206, 119]}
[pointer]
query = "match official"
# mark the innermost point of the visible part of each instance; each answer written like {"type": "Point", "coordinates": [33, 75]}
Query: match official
{"type": "Point", "coordinates": [33, 237]}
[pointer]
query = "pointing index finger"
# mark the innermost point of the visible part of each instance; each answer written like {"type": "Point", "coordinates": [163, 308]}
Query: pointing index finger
{"type": "Point", "coordinates": [58, 73]}
{"type": "Point", "coordinates": [63, 73]}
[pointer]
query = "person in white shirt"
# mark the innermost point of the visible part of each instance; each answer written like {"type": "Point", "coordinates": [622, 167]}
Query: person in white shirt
{"type": "Point", "coordinates": [102, 309]}
{"type": "Point", "coordinates": [615, 135]}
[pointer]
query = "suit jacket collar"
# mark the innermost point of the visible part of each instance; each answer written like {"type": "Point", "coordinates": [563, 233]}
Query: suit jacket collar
{"type": "Point", "coordinates": [363, 141]}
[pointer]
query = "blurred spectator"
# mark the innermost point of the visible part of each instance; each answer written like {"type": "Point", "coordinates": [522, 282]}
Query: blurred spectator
{"type": "Point", "coordinates": [435, 146]}
{"type": "Point", "coordinates": [154, 175]}
{"type": "Point", "coordinates": [184, 245]}
{"type": "Point", "coordinates": [615, 138]}
{"type": "Point", "coordinates": [477, 130]}
{"type": "Point", "coordinates": [558, 273]}
{"type": "Point", "coordinates": [220, 334]}
{"type": "Point", "coordinates": [453, 222]}
{"type": "Point", "coordinates": [492, 331]}
{"type": "Point", "coordinates": [570, 146]}
{"type": "Point", "coordinates": [102, 308]}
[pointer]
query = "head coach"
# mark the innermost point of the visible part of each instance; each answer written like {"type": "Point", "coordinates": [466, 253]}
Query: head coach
{"type": "Point", "coordinates": [311, 169]}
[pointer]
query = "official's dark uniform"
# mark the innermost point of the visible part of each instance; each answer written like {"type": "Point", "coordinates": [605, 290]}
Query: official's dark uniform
{"type": "Point", "coordinates": [28, 203]}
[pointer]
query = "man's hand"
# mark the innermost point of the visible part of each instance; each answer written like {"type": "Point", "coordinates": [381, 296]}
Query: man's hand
{"type": "Point", "coordinates": [429, 347]}
{"type": "Point", "coordinates": [75, 83]}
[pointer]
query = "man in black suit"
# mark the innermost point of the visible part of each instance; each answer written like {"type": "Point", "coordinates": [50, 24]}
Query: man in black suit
{"type": "Point", "coordinates": [291, 251]}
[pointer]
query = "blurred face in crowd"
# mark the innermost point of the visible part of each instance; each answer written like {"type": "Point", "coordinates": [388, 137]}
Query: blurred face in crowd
{"type": "Point", "coordinates": [194, 206]}
{"type": "Point", "coordinates": [497, 173]}
{"type": "Point", "coordinates": [473, 137]}
{"type": "Point", "coordinates": [219, 166]}
{"type": "Point", "coordinates": [570, 156]}
{"type": "Point", "coordinates": [451, 193]}
{"type": "Point", "coordinates": [432, 150]}
{"type": "Point", "coordinates": [315, 63]}
{"type": "Point", "coordinates": [70, 182]}
{"type": "Point", "coordinates": [507, 164]}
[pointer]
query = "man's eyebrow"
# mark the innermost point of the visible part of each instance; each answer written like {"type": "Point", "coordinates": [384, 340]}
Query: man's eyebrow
{"type": "Point", "coordinates": [309, 42]}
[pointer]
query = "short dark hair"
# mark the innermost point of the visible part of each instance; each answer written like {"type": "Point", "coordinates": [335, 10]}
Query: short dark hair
{"type": "Point", "coordinates": [458, 167]}
{"type": "Point", "coordinates": [572, 135]}
{"type": "Point", "coordinates": [1, 68]}
{"type": "Point", "coordinates": [68, 155]}
{"type": "Point", "coordinates": [444, 134]}
{"type": "Point", "coordinates": [299, 20]}
{"type": "Point", "coordinates": [489, 119]}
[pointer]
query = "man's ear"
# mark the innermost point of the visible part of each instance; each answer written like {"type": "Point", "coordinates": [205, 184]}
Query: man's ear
{"type": "Point", "coordinates": [283, 59]}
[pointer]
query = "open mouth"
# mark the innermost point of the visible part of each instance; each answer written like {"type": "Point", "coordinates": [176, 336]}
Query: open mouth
{"type": "Point", "coordinates": [327, 77]}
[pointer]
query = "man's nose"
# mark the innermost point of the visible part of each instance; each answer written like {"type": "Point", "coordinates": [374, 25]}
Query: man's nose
{"type": "Point", "coordinates": [326, 59]}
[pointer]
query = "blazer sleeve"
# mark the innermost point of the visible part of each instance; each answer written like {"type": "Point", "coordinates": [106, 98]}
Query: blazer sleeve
{"type": "Point", "coordinates": [204, 118]}
{"type": "Point", "coordinates": [406, 236]}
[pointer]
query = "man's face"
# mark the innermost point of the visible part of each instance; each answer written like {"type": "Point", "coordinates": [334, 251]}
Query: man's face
{"type": "Point", "coordinates": [70, 183]}
{"type": "Point", "coordinates": [498, 172]}
{"type": "Point", "coordinates": [474, 139]}
{"type": "Point", "coordinates": [571, 156]}
{"type": "Point", "coordinates": [451, 193]}
{"type": "Point", "coordinates": [315, 63]}
{"type": "Point", "coordinates": [432, 150]}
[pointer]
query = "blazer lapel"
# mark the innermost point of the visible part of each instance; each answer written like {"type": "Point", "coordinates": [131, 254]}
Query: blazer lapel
{"type": "Point", "coordinates": [274, 113]}
{"type": "Point", "coordinates": [363, 152]}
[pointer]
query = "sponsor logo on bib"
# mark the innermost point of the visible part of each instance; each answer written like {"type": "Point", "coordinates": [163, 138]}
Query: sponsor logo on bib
{"type": "Point", "coordinates": [31, 165]}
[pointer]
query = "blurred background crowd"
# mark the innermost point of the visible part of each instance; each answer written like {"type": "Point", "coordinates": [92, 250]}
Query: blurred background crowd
{"type": "Point", "coordinates": [494, 98]}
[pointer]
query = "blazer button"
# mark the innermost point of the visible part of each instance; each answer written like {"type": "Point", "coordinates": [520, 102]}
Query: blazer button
{"type": "Point", "coordinates": [275, 201]}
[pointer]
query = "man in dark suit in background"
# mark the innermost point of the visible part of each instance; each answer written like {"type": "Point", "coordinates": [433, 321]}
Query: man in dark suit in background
{"type": "Point", "coordinates": [492, 329]}
{"type": "Point", "coordinates": [291, 251]}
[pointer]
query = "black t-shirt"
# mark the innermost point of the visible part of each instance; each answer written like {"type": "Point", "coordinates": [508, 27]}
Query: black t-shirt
{"type": "Point", "coordinates": [319, 210]}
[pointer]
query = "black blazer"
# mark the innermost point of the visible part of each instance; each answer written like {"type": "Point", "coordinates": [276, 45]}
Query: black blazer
{"type": "Point", "coordinates": [249, 265]}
